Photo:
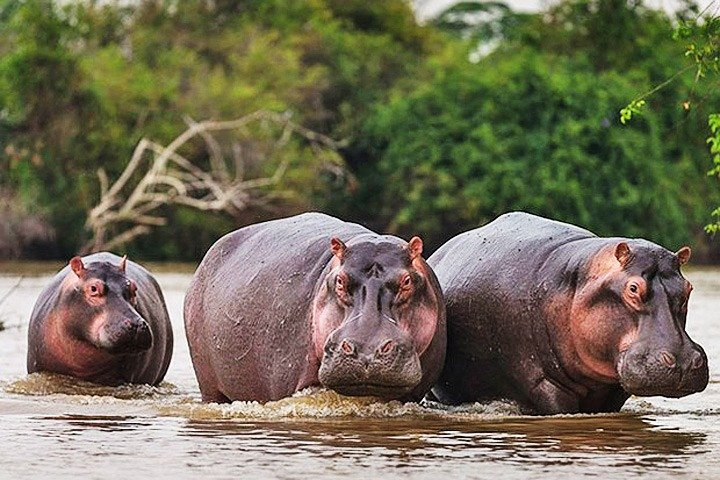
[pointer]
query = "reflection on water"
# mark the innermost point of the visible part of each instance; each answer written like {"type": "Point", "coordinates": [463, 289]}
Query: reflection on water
{"type": "Point", "coordinates": [54, 426]}
{"type": "Point", "coordinates": [619, 434]}
{"type": "Point", "coordinates": [356, 448]}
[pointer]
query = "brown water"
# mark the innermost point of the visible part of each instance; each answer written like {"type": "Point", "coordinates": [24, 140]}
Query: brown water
{"type": "Point", "coordinates": [56, 427]}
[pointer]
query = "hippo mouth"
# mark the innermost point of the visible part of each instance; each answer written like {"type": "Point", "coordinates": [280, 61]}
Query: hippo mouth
{"type": "Point", "coordinates": [642, 380]}
{"type": "Point", "coordinates": [372, 390]}
{"type": "Point", "coordinates": [352, 380]}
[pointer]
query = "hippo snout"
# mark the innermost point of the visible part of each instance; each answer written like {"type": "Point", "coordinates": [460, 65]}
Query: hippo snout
{"type": "Point", "coordinates": [388, 368]}
{"type": "Point", "coordinates": [648, 372]}
{"type": "Point", "coordinates": [127, 336]}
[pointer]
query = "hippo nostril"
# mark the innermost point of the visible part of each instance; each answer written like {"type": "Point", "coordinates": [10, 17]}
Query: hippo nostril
{"type": "Point", "coordinates": [386, 348]}
{"type": "Point", "coordinates": [366, 361]}
{"type": "Point", "coordinates": [347, 347]}
{"type": "Point", "coordinates": [697, 361]}
{"type": "Point", "coordinates": [668, 359]}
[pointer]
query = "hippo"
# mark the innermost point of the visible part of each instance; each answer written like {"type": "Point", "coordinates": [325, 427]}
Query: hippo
{"type": "Point", "coordinates": [311, 300]}
{"type": "Point", "coordinates": [562, 321]}
{"type": "Point", "coordinates": [102, 319]}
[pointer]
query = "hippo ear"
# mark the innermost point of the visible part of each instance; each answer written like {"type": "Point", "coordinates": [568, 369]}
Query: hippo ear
{"type": "Point", "coordinates": [414, 247]}
{"type": "Point", "coordinates": [77, 266]}
{"type": "Point", "coordinates": [123, 263]}
{"type": "Point", "coordinates": [683, 255]}
{"type": "Point", "coordinates": [622, 253]}
{"type": "Point", "coordinates": [337, 247]}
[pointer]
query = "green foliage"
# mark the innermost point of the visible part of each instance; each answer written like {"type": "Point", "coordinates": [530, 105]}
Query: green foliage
{"type": "Point", "coordinates": [44, 105]}
{"type": "Point", "coordinates": [633, 108]}
{"type": "Point", "coordinates": [714, 141]}
{"type": "Point", "coordinates": [447, 125]}
{"type": "Point", "coordinates": [81, 83]}
{"type": "Point", "coordinates": [701, 37]}
{"type": "Point", "coordinates": [533, 127]}
{"type": "Point", "coordinates": [470, 147]}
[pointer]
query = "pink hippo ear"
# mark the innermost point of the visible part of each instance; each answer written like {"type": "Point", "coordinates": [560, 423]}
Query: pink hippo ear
{"type": "Point", "coordinates": [123, 263]}
{"type": "Point", "coordinates": [77, 266]}
{"type": "Point", "coordinates": [414, 248]}
{"type": "Point", "coordinates": [683, 255]}
{"type": "Point", "coordinates": [622, 253]}
{"type": "Point", "coordinates": [337, 247]}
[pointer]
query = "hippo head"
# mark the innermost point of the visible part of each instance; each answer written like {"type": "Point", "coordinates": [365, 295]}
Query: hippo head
{"type": "Point", "coordinates": [100, 308]}
{"type": "Point", "coordinates": [374, 315]}
{"type": "Point", "coordinates": [629, 321]}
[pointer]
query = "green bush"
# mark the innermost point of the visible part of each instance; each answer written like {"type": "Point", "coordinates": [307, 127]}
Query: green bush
{"type": "Point", "coordinates": [82, 82]}
{"type": "Point", "coordinates": [534, 126]}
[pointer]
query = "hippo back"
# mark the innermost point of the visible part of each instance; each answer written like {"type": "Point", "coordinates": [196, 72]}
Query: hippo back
{"type": "Point", "coordinates": [490, 326]}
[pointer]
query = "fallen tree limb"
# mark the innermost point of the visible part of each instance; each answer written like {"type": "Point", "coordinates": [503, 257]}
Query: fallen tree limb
{"type": "Point", "coordinates": [131, 206]}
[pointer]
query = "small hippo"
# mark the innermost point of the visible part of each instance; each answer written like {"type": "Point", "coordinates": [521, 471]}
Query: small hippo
{"type": "Point", "coordinates": [563, 321]}
{"type": "Point", "coordinates": [308, 300]}
{"type": "Point", "coordinates": [102, 319]}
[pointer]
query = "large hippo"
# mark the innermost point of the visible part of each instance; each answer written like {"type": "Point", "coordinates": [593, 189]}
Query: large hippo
{"type": "Point", "coordinates": [562, 321]}
{"type": "Point", "coordinates": [103, 319]}
{"type": "Point", "coordinates": [311, 300]}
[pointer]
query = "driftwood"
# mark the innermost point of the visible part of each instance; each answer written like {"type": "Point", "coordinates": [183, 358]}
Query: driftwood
{"type": "Point", "coordinates": [125, 212]}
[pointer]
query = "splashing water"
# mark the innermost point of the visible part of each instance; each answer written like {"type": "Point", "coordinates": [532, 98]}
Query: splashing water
{"type": "Point", "coordinates": [320, 403]}
{"type": "Point", "coordinates": [56, 384]}
{"type": "Point", "coordinates": [311, 403]}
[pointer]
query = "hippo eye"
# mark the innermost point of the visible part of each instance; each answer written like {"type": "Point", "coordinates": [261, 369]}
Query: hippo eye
{"type": "Point", "coordinates": [96, 289]}
{"type": "Point", "coordinates": [635, 290]}
{"type": "Point", "coordinates": [407, 282]}
{"type": "Point", "coordinates": [339, 283]}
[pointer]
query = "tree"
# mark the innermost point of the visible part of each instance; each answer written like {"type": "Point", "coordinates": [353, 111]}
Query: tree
{"type": "Point", "coordinates": [81, 83]}
{"type": "Point", "coordinates": [533, 126]}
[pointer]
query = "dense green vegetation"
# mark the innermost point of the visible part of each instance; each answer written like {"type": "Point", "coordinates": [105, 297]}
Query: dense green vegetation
{"type": "Point", "coordinates": [535, 126]}
{"type": "Point", "coordinates": [442, 132]}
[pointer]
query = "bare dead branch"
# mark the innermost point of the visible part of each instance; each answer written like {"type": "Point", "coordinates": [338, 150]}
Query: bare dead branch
{"type": "Point", "coordinates": [158, 176]}
{"type": "Point", "coordinates": [217, 161]}
{"type": "Point", "coordinates": [104, 181]}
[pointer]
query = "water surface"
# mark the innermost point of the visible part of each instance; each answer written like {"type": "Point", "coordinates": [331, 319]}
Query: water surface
{"type": "Point", "coordinates": [51, 426]}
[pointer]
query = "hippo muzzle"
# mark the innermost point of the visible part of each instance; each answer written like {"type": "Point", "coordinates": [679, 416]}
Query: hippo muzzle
{"type": "Point", "coordinates": [127, 334]}
{"type": "Point", "coordinates": [384, 364]}
{"type": "Point", "coordinates": [647, 371]}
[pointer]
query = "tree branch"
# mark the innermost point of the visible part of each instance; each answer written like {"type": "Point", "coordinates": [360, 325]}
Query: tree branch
{"type": "Point", "coordinates": [170, 178]}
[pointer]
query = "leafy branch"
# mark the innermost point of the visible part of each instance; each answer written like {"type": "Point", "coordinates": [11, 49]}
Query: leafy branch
{"type": "Point", "coordinates": [701, 36]}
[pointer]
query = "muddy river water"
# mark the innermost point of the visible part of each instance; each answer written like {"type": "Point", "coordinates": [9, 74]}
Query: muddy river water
{"type": "Point", "coordinates": [52, 427]}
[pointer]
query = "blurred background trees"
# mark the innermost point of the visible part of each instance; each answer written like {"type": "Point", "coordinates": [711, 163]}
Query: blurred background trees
{"type": "Point", "coordinates": [444, 125]}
